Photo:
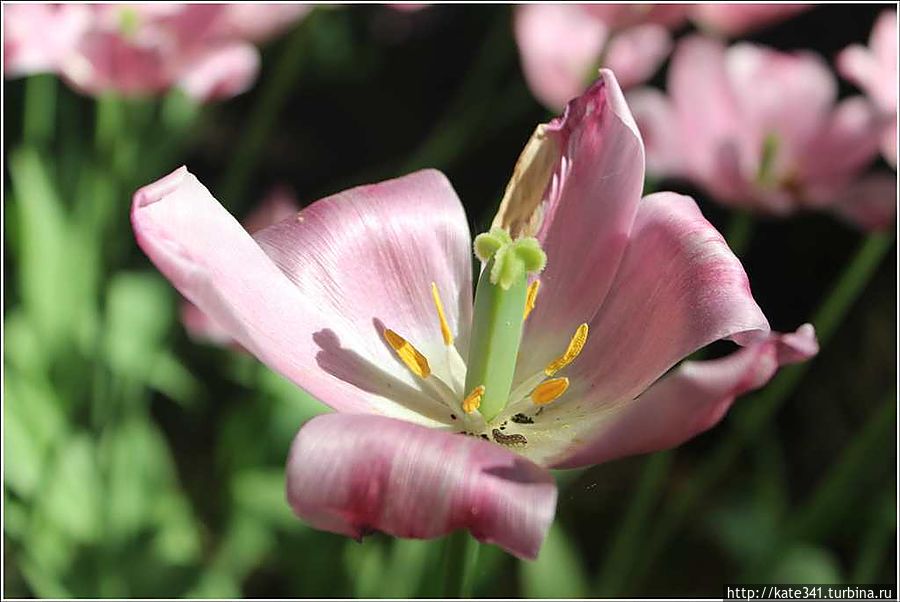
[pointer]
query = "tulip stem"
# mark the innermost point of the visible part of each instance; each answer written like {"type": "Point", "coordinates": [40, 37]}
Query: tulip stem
{"type": "Point", "coordinates": [264, 116]}
{"type": "Point", "coordinates": [739, 232]}
{"type": "Point", "coordinates": [460, 558]}
{"type": "Point", "coordinates": [40, 108]}
{"type": "Point", "coordinates": [846, 290]}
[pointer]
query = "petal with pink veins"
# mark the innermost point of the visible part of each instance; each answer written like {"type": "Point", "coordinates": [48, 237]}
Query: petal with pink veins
{"type": "Point", "coordinates": [690, 400]}
{"type": "Point", "coordinates": [310, 296]}
{"type": "Point", "coordinates": [678, 288]}
{"type": "Point", "coordinates": [353, 474]}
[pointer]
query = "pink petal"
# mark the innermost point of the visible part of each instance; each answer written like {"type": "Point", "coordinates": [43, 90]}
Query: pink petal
{"type": "Point", "coordinates": [707, 113]}
{"type": "Point", "coordinates": [844, 145]}
{"type": "Point", "coordinates": [559, 46]}
{"type": "Point", "coordinates": [874, 69]}
{"type": "Point", "coordinates": [587, 213]}
{"type": "Point", "coordinates": [221, 72]}
{"type": "Point", "coordinates": [870, 203]}
{"type": "Point", "coordinates": [737, 19]}
{"type": "Point", "coordinates": [636, 53]}
{"type": "Point", "coordinates": [658, 124]}
{"type": "Point", "coordinates": [678, 288]}
{"type": "Point", "coordinates": [280, 204]}
{"type": "Point", "coordinates": [351, 265]}
{"type": "Point", "coordinates": [689, 401]}
{"type": "Point", "coordinates": [353, 474]}
{"type": "Point", "coordinates": [202, 328]}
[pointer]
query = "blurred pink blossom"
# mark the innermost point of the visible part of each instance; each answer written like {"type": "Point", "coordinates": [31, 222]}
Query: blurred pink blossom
{"type": "Point", "coordinates": [762, 129]}
{"type": "Point", "coordinates": [314, 297]}
{"type": "Point", "coordinates": [562, 45]}
{"type": "Point", "coordinates": [874, 70]}
{"type": "Point", "coordinates": [144, 49]}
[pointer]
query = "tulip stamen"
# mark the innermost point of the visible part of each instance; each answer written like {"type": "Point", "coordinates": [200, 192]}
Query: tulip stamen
{"type": "Point", "coordinates": [576, 344]}
{"type": "Point", "coordinates": [549, 390]}
{"type": "Point", "coordinates": [409, 355]}
{"type": "Point", "coordinates": [531, 298]}
{"type": "Point", "coordinates": [473, 400]}
{"type": "Point", "coordinates": [446, 333]}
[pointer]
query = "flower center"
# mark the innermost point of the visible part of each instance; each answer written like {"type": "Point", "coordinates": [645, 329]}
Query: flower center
{"type": "Point", "coordinates": [478, 391]}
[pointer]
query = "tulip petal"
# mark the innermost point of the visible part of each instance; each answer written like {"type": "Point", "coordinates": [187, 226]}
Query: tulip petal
{"type": "Point", "coordinates": [658, 124]}
{"type": "Point", "coordinates": [352, 474]}
{"type": "Point", "coordinates": [678, 288]}
{"type": "Point", "coordinates": [587, 215]}
{"type": "Point", "coordinates": [348, 264]}
{"type": "Point", "coordinates": [559, 45]}
{"type": "Point", "coordinates": [870, 203]}
{"type": "Point", "coordinates": [688, 401]}
{"type": "Point", "coordinates": [221, 72]}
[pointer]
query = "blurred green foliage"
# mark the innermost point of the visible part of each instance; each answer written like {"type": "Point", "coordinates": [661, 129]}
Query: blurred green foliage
{"type": "Point", "coordinates": [140, 464]}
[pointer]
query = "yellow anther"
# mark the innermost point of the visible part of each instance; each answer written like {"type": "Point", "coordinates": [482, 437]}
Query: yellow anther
{"type": "Point", "coordinates": [549, 390]}
{"type": "Point", "coordinates": [408, 354]}
{"type": "Point", "coordinates": [473, 400]}
{"type": "Point", "coordinates": [572, 351]}
{"type": "Point", "coordinates": [531, 298]}
{"type": "Point", "coordinates": [445, 327]}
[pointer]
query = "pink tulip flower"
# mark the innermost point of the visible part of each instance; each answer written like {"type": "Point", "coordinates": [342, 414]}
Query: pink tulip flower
{"type": "Point", "coordinates": [278, 205]}
{"type": "Point", "coordinates": [761, 129]}
{"type": "Point", "coordinates": [364, 299]}
{"type": "Point", "coordinates": [874, 70]}
{"type": "Point", "coordinates": [145, 49]}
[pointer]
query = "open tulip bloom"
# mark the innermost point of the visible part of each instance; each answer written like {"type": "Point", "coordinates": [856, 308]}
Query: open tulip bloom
{"type": "Point", "coordinates": [449, 409]}
{"type": "Point", "coordinates": [762, 129]}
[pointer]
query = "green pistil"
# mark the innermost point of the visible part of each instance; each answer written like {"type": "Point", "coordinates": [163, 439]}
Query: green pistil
{"type": "Point", "coordinates": [499, 309]}
{"type": "Point", "coordinates": [765, 176]}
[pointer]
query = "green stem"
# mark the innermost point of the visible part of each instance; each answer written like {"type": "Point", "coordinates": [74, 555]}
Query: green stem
{"type": "Point", "coordinates": [110, 120]}
{"type": "Point", "coordinates": [740, 230]}
{"type": "Point", "coordinates": [843, 483]}
{"type": "Point", "coordinates": [756, 414]}
{"type": "Point", "coordinates": [626, 543]}
{"type": "Point", "coordinates": [460, 558]}
{"type": "Point", "coordinates": [264, 116]}
{"type": "Point", "coordinates": [40, 109]}
{"type": "Point", "coordinates": [876, 541]}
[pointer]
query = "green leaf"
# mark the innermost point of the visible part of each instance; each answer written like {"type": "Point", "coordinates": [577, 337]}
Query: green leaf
{"type": "Point", "coordinates": [807, 564]}
{"type": "Point", "coordinates": [139, 471]}
{"type": "Point", "coordinates": [557, 573]}
{"type": "Point", "coordinates": [45, 273]}
{"type": "Point", "coordinates": [72, 498]}
{"type": "Point", "coordinates": [139, 314]}
{"type": "Point", "coordinates": [33, 425]}
{"type": "Point", "coordinates": [261, 492]}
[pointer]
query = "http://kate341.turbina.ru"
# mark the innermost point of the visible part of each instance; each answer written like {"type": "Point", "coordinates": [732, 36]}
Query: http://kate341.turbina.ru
{"type": "Point", "coordinates": [449, 406]}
